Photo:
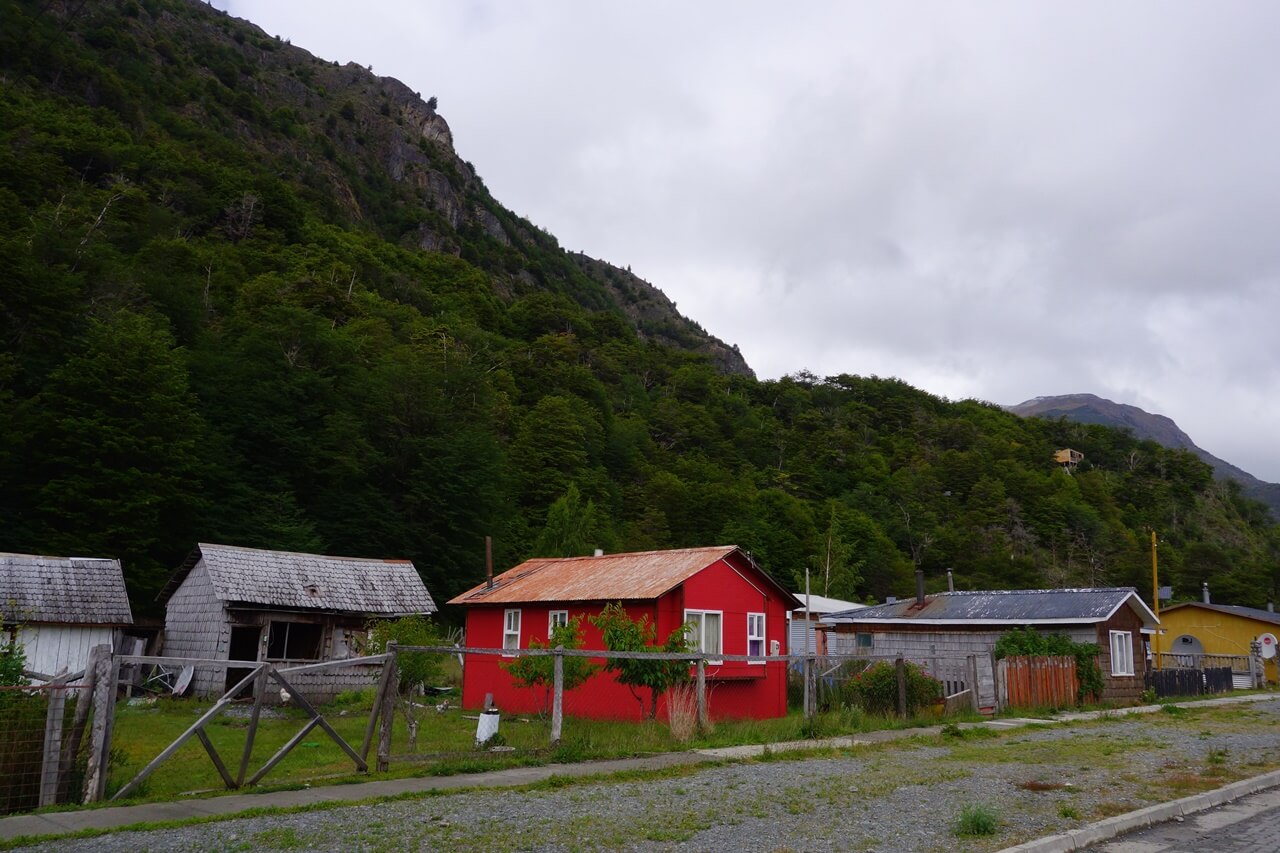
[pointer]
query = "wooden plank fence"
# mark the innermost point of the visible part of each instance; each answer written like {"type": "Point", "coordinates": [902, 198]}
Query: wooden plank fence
{"type": "Point", "coordinates": [1038, 682]}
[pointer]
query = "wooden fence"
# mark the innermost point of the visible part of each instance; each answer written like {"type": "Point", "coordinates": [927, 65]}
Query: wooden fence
{"type": "Point", "coordinates": [1037, 682]}
{"type": "Point", "coordinates": [1189, 682]}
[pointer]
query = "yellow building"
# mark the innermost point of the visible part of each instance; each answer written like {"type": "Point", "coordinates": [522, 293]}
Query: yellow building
{"type": "Point", "coordinates": [1196, 628]}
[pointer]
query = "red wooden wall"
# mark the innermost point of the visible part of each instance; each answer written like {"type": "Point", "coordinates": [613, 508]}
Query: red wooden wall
{"type": "Point", "coordinates": [735, 689]}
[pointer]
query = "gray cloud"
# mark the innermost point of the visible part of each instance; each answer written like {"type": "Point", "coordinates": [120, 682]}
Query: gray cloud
{"type": "Point", "coordinates": [1000, 200]}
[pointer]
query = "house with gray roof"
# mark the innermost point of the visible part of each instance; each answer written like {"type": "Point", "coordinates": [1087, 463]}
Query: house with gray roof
{"type": "Point", "coordinates": [970, 622]}
{"type": "Point", "coordinates": [58, 608]}
{"type": "Point", "coordinates": [230, 603]}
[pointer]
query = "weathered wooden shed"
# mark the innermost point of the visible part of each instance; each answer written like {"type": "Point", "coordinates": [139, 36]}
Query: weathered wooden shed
{"type": "Point", "coordinates": [229, 603]}
{"type": "Point", "coordinates": [58, 608]}
{"type": "Point", "coordinates": [969, 623]}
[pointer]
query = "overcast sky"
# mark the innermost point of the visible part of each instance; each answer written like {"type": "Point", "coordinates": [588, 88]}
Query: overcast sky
{"type": "Point", "coordinates": [991, 200]}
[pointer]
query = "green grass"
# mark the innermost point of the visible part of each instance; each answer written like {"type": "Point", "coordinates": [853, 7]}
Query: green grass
{"type": "Point", "coordinates": [976, 821]}
{"type": "Point", "coordinates": [445, 743]}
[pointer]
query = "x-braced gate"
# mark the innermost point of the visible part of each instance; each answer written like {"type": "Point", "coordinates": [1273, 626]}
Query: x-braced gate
{"type": "Point", "coordinates": [263, 673]}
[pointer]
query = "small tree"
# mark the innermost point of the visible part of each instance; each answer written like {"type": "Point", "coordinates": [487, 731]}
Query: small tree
{"type": "Point", "coordinates": [539, 670]}
{"type": "Point", "coordinates": [416, 669]}
{"type": "Point", "coordinates": [622, 634]}
{"type": "Point", "coordinates": [432, 102]}
{"type": "Point", "coordinates": [13, 661]}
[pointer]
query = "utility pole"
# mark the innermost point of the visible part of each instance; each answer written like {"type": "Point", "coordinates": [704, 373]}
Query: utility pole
{"type": "Point", "coordinates": [1155, 602]}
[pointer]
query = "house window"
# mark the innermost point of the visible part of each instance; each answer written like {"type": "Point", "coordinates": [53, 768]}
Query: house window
{"type": "Point", "coordinates": [755, 635]}
{"type": "Point", "coordinates": [294, 641]}
{"type": "Point", "coordinates": [556, 619]}
{"type": "Point", "coordinates": [511, 629]}
{"type": "Point", "coordinates": [704, 631]}
{"type": "Point", "coordinates": [863, 641]}
{"type": "Point", "coordinates": [1122, 653]}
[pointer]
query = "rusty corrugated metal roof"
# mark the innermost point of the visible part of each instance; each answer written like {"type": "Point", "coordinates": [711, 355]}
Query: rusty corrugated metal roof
{"type": "Point", "coordinates": [1009, 606]}
{"type": "Point", "coordinates": [610, 577]}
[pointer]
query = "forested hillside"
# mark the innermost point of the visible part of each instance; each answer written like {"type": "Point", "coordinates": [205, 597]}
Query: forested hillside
{"type": "Point", "coordinates": [255, 298]}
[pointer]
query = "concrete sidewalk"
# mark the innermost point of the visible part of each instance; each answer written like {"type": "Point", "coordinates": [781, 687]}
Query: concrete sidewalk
{"type": "Point", "coordinates": [117, 817]}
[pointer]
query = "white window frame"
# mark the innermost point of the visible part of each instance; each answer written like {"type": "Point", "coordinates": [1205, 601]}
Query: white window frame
{"type": "Point", "coordinates": [1122, 653]}
{"type": "Point", "coordinates": [754, 620]}
{"type": "Point", "coordinates": [697, 620]}
{"type": "Point", "coordinates": [510, 630]}
{"type": "Point", "coordinates": [555, 618]}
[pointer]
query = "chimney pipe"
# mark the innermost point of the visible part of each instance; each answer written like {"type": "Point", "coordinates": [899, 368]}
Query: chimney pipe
{"type": "Point", "coordinates": [1204, 592]}
{"type": "Point", "coordinates": [488, 562]}
{"type": "Point", "coordinates": [1271, 607]}
{"type": "Point", "coordinates": [920, 587]}
{"type": "Point", "coordinates": [599, 552]}
{"type": "Point", "coordinates": [951, 582]}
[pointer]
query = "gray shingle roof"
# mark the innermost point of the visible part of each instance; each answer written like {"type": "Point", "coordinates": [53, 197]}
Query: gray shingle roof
{"type": "Point", "coordinates": [994, 607]}
{"type": "Point", "coordinates": [309, 581]}
{"type": "Point", "coordinates": [63, 590]}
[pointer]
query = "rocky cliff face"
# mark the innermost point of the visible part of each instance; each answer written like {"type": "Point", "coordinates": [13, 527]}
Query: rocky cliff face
{"type": "Point", "coordinates": [1092, 409]}
{"type": "Point", "coordinates": [385, 159]}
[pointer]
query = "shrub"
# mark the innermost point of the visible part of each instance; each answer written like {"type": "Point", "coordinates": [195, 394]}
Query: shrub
{"type": "Point", "coordinates": [875, 689]}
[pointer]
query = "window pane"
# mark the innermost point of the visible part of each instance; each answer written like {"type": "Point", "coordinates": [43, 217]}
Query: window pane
{"type": "Point", "coordinates": [711, 633]}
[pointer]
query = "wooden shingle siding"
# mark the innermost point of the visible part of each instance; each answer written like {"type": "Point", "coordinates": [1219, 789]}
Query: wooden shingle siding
{"type": "Point", "coordinates": [196, 626]}
{"type": "Point", "coordinates": [62, 590]}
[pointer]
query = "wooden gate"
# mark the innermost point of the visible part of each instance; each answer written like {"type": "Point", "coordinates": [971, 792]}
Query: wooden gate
{"type": "Point", "coordinates": [1038, 682]}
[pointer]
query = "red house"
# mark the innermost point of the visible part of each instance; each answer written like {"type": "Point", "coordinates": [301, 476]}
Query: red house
{"type": "Point", "coordinates": [731, 604]}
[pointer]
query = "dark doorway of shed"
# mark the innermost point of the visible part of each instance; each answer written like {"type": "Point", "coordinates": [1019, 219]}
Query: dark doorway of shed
{"type": "Point", "coordinates": [244, 646]}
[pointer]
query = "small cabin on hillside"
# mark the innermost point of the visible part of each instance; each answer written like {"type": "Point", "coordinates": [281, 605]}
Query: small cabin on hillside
{"type": "Point", "coordinates": [730, 604]}
{"type": "Point", "coordinates": [58, 608]}
{"type": "Point", "coordinates": [969, 623]}
{"type": "Point", "coordinates": [246, 604]}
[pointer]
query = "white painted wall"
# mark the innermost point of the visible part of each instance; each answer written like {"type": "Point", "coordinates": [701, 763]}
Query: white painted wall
{"type": "Point", "coordinates": [54, 649]}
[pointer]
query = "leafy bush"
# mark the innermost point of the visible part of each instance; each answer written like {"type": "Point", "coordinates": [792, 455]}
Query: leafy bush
{"type": "Point", "coordinates": [12, 661]}
{"type": "Point", "coordinates": [539, 671]}
{"type": "Point", "coordinates": [1032, 643]}
{"type": "Point", "coordinates": [875, 689]}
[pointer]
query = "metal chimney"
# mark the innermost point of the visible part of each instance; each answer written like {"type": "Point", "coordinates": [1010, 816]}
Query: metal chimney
{"type": "Point", "coordinates": [1271, 607]}
{"type": "Point", "coordinates": [951, 582]}
{"type": "Point", "coordinates": [488, 562]}
{"type": "Point", "coordinates": [599, 552]}
{"type": "Point", "coordinates": [1204, 592]}
{"type": "Point", "coordinates": [919, 587]}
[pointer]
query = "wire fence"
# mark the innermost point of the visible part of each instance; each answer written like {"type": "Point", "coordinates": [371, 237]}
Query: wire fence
{"type": "Point", "coordinates": [41, 762]}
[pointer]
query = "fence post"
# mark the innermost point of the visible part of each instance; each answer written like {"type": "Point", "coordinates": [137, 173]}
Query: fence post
{"type": "Point", "coordinates": [901, 666]}
{"type": "Point", "coordinates": [104, 690]}
{"type": "Point", "coordinates": [810, 687]}
{"type": "Point", "coordinates": [71, 748]}
{"type": "Point", "coordinates": [387, 708]}
{"type": "Point", "coordinates": [975, 688]}
{"type": "Point", "coordinates": [50, 764]}
{"type": "Point", "coordinates": [557, 695]}
{"type": "Point", "coordinates": [704, 724]}
{"type": "Point", "coordinates": [995, 682]}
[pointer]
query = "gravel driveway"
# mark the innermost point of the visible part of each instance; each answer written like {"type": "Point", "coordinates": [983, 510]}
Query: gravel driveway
{"type": "Point", "coordinates": [899, 797]}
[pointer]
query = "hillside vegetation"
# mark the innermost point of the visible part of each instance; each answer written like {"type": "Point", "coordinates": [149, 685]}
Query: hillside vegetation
{"type": "Point", "coordinates": [255, 298]}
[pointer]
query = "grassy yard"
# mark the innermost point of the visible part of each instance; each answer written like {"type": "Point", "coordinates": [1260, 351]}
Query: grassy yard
{"type": "Point", "coordinates": [446, 742]}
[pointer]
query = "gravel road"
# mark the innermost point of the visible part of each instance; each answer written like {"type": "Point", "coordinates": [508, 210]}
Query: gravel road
{"type": "Point", "coordinates": [902, 797]}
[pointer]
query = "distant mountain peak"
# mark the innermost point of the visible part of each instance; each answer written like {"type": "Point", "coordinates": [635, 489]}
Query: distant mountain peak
{"type": "Point", "coordinates": [1092, 409]}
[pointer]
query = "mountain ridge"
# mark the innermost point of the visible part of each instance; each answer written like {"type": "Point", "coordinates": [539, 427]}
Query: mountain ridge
{"type": "Point", "coordinates": [1090, 408]}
